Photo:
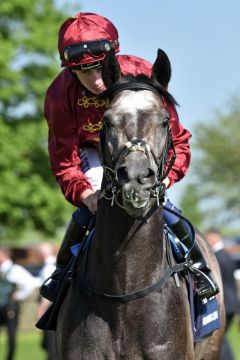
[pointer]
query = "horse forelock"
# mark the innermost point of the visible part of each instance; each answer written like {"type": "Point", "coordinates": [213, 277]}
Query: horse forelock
{"type": "Point", "coordinates": [136, 101]}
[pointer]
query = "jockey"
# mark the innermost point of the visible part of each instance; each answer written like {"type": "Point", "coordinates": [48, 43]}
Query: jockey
{"type": "Point", "coordinates": [74, 115]}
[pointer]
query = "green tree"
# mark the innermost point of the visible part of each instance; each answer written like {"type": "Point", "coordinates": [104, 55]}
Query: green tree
{"type": "Point", "coordinates": [29, 195]}
{"type": "Point", "coordinates": [189, 203]}
{"type": "Point", "coordinates": [216, 165]}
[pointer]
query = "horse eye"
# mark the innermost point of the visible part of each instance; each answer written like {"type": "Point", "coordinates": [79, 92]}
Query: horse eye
{"type": "Point", "coordinates": [166, 121]}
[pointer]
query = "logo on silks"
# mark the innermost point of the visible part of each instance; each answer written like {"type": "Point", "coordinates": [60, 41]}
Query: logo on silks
{"type": "Point", "coordinates": [87, 101]}
{"type": "Point", "coordinates": [91, 128]}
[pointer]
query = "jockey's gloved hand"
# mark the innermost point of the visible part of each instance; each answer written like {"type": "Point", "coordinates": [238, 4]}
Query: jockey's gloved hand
{"type": "Point", "coordinates": [166, 182]}
{"type": "Point", "coordinates": [90, 199]}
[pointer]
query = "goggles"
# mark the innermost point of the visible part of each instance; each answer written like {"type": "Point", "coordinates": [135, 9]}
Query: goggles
{"type": "Point", "coordinates": [75, 53]}
{"type": "Point", "coordinates": [88, 66]}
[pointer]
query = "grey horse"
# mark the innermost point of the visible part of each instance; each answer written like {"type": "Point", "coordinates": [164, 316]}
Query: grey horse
{"type": "Point", "coordinates": [118, 310]}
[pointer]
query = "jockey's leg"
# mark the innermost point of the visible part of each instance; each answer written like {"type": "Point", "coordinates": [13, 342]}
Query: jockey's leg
{"type": "Point", "coordinates": [203, 282]}
{"type": "Point", "coordinates": [74, 234]}
{"type": "Point", "coordinates": [92, 168]}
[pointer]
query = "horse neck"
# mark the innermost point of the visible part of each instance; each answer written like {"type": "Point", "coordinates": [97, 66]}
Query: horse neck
{"type": "Point", "coordinates": [126, 251]}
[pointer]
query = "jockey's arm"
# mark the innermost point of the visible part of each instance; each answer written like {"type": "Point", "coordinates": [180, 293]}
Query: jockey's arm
{"type": "Point", "coordinates": [180, 138]}
{"type": "Point", "coordinates": [63, 147]}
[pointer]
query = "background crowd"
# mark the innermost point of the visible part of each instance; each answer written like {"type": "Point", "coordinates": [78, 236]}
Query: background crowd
{"type": "Point", "coordinates": [20, 283]}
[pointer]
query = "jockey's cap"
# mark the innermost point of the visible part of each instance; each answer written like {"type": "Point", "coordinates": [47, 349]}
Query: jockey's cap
{"type": "Point", "coordinates": [85, 38]}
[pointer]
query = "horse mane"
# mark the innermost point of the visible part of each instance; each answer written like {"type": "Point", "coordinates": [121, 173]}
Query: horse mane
{"type": "Point", "coordinates": [138, 82]}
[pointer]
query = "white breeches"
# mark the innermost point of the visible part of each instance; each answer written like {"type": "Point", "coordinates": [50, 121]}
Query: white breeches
{"type": "Point", "coordinates": [91, 166]}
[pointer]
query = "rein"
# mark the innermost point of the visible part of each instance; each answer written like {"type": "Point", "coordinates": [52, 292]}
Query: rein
{"type": "Point", "coordinates": [171, 270]}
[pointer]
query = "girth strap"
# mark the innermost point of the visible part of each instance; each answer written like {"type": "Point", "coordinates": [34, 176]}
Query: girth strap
{"type": "Point", "coordinates": [136, 294]}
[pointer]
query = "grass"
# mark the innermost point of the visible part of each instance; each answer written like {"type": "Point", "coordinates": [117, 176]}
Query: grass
{"type": "Point", "coordinates": [234, 338]}
{"type": "Point", "coordinates": [29, 344]}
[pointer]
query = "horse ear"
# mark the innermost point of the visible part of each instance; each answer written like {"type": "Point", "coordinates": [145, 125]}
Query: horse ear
{"type": "Point", "coordinates": [161, 69]}
{"type": "Point", "coordinates": [110, 69]}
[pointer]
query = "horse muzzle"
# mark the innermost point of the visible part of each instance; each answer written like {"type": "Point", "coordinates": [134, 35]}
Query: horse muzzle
{"type": "Point", "coordinates": [135, 200]}
{"type": "Point", "coordinates": [134, 180]}
{"type": "Point", "coordinates": [136, 177]}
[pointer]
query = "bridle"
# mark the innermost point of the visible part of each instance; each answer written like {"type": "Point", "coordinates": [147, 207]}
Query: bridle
{"type": "Point", "coordinates": [112, 189]}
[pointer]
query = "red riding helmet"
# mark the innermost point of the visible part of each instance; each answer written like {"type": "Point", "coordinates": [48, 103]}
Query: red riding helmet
{"type": "Point", "coordinates": [85, 38]}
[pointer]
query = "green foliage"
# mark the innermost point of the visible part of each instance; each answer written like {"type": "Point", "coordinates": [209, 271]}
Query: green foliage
{"type": "Point", "coordinates": [29, 195]}
{"type": "Point", "coordinates": [190, 205]}
{"type": "Point", "coordinates": [216, 166]}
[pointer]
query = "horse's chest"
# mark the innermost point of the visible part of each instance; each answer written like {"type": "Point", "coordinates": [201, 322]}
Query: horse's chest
{"type": "Point", "coordinates": [142, 329]}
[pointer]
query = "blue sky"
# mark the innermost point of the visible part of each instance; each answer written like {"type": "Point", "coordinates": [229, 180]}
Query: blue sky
{"type": "Point", "coordinates": [201, 39]}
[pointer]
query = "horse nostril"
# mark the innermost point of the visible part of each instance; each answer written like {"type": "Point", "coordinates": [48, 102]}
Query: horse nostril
{"type": "Point", "coordinates": [122, 174]}
{"type": "Point", "coordinates": [145, 175]}
{"type": "Point", "coordinates": [150, 173]}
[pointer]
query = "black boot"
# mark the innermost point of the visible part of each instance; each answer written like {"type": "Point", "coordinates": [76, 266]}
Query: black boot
{"type": "Point", "coordinates": [49, 288]}
{"type": "Point", "coordinates": [204, 285]}
{"type": "Point", "coordinates": [74, 234]}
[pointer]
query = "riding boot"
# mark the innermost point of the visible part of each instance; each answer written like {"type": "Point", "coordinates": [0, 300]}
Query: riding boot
{"type": "Point", "coordinates": [204, 285]}
{"type": "Point", "coordinates": [74, 234]}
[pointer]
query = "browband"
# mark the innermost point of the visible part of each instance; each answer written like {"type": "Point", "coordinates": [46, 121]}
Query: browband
{"type": "Point", "coordinates": [116, 88]}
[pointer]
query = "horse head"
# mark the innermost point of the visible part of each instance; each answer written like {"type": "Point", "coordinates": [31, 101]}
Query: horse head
{"type": "Point", "coordinates": [136, 134]}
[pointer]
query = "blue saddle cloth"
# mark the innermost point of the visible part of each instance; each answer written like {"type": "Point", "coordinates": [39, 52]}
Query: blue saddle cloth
{"type": "Point", "coordinates": [83, 246]}
{"type": "Point", "coordinates": [205, 316]}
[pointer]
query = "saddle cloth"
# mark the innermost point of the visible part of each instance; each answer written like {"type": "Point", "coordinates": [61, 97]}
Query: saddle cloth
{"type": "Point", "coordinates": [205, 315]}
